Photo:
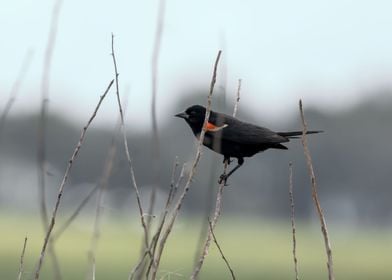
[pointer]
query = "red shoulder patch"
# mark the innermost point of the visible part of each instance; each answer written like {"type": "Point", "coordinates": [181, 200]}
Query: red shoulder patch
{"type": "Point", "coordinates": [213, 128]}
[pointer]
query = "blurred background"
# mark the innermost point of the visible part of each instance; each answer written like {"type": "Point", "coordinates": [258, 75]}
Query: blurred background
{"type": "Point", "coordinates": [334, 55]}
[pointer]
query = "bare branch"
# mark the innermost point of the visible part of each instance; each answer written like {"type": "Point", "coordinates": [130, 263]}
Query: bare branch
{"type": "Point", "coordinates": [21, 263]}
{"type": "Point", "coordinates": [170, 198]}
{"type": "Point", "coordinates": [291, 196]}
{"type": "Point", "coordinates": [220, 250]}
{"type": "Point", "coordinates": [71, 218]}
{"type": "Point", "coordinates": [99, 185]}
{"type": "Point", "coordinates": [315, 195]}
{"type": "Point", "coordinates": [218, 205]}
{"type": "Point", "coordinates": [192, 172]}
{"type": "Point", "coordinates": [155, 168]}
{"type": "Point", "coordinates": [41, 156]}
{"type": "Point", "coordinates": [238, 98]}
{"type": "Point", "coordinates": [172, 182]}
{"type": "Point", "coordinates": [130, 165]}
{"type": "Point", "coordinates": [179, 182]}
{"type": "Point", "coordinates": [154, 75]}
{"type": "Point", "coordinates": [94, 269]}
{"type": "Point", "coordinates": [44, 108]}
{"type": "Point", "coordinates": [15, 89]}
{"type": "Point", "coordinates": [217, 211]}
{"type": "Point", "coordinates": [64, 180]}
{"type": "Point", "coordinates": [154, 241]}
{"type": "Point", "coordinates": [103, 183]}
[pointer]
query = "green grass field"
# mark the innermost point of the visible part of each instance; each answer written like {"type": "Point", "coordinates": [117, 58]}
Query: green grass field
{"type": "Point", "coordinates": [256, 249]}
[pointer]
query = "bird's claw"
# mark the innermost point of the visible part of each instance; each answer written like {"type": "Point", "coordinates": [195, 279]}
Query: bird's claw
{"type": "Point", "coordinates": [223, 179]}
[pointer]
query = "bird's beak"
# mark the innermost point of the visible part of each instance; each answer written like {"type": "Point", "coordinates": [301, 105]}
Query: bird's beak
{"type": "Point", "coordinates": [182, 115]}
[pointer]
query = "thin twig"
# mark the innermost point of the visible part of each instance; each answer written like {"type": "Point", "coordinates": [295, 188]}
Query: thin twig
{"type": "Point", "coordinates": [15, 88]}
{"type": "Point", "coordinates": [291, 196]}
{"type": "Point", "coordinates": [155, 168]}
{"type": "Point", "coordinates": [93, 269]}
{"type": "Point", "coordinates": [84, 202]}
{"type": "Point", "coordinates": [103, 183]}
{"type": "Point", "coordinates": [154, 75]}
{"type": "Point", "coordinates": [155, 239]}
{"type": "Point", "coordinates": [192, 172]}
{"type": "Point", "coordinates": [324, 229]}
{"type": "Point", "coordinates": [21, 263]}
{"type": "Point", "coordinates": [130, 165]}
{"type": "Point", "coordinates": [45, 86]}
{"type": "Point", "coordinates": [218, 205]}
{"type": "Point", "coordinates": [207, 243]}
{"type": "Point", "coordinates": [71, 218]}
{"type": "Point", "coordinates": [220, 250]}
{"type": "Point", "coordinates": [172, 182]}
{"type": "Point", "coordinates": [64, 180]}
{"type": "Point", "coordinates": [179, 182]}
{"type": "Point", "coordinates": [238, 98]}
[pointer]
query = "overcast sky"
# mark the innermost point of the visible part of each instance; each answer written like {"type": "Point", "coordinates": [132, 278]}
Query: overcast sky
{"type": "Point", "coordinates": [327, 52]}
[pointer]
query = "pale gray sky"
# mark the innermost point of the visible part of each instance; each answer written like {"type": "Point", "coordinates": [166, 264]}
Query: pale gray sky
{"type": "Point", "coordinates": [327, 52]}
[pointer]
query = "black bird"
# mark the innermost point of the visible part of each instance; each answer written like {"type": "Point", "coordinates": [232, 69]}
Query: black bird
{"type": "Point", "coordinates": [231, 137]}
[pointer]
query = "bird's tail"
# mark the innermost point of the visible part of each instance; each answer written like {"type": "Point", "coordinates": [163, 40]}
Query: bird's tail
{"type": "Point", "coordinates": [297, 134]}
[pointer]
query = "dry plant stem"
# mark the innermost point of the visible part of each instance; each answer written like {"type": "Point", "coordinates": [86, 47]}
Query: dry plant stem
{"type": "Point", "coordinates": [137, 267]}
{"type": "Point", "coordinates": [218, 205]}
{"type": "Point", "coordinates": [64, 180]}
{"type": "Point", "coordinates": [44, 108]}
{"type": "Point", "coordinates": [93, 270]}
{"type": "Point", "coordinates": [179, 182]}
{"type": "Point", "coordinates": [69, 221]}
{"type": "Point", "coordinates": [15, 89]}
{"type": "Point", "coordinates": [324, 229]}
{"type": "Point", "coordinates": [192, 172]}
{"type": "Point", "coordinates": [154, 75]}
{"type": "Point", "coordinates": [207, 243]}
{"type": "Point", "coordinates": [238, 98]}
{"type": "Point", "coordinates": [291, 196]}
{"type": "Point", "coordinates": [156, 236]}
{"type": "Point", "coordinates": [154, 241]}
{"type": "Point", "coordinates": [45, 84]}
{"type": "Point", "coordinates": [209, 202]}
{"type": "Point", "coordinates": [130, 166]}
{"type": "Point", "coordinates": [155, 135]}
{"type": "Point", "coordinates": [21, 263]}
{"type": "Point", "coordinates": [172, 182]}
{"type": "Point", "coordinates": [220, 250]}
{"type": "Point", "coordinates": [103, 183]}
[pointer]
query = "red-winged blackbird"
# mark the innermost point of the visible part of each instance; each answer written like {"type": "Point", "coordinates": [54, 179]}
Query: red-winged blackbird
{"type": "Point", "coordinates": [231, 137]}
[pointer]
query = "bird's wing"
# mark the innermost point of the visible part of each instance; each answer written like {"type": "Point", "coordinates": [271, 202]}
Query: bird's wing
{"type": "Point", "coordinates": [234, 130]}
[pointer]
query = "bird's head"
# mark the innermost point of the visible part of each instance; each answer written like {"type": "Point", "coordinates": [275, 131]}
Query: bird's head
{"type": "Point", "coordinates": [194, 116]}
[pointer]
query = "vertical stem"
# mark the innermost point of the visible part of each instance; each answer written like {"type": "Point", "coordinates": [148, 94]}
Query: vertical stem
{"type": "Point", "coordinates": [45, 85]}
{"type": "Point", "coordinates": [191, 173]}
{"type": "Point", "coordinates": [316, 201]}
{"type": "Point", "coordinates": [218, 206]}
{"type": "Point", "coordinates": [21, 264]}
{"type": "Point", "coordinates": [63, 182]}
{"type": "Point", "coordinates": [291, 196]}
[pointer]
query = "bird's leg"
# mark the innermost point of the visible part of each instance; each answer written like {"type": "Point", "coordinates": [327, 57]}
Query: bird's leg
{"type": "Point", "coordinates": [226, 159]}
{"type": "Point", "coordinates": [224, 176]}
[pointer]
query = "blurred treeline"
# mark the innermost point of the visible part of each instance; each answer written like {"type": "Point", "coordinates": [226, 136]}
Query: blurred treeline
{"type": "Point", "coordinates": [352, 159]}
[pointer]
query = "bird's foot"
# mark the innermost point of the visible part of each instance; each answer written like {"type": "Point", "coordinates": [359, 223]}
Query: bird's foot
{"type": "Point", "coordinates": [228, 161]}
{"type": "Point", "coordinates": [223, 179]}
